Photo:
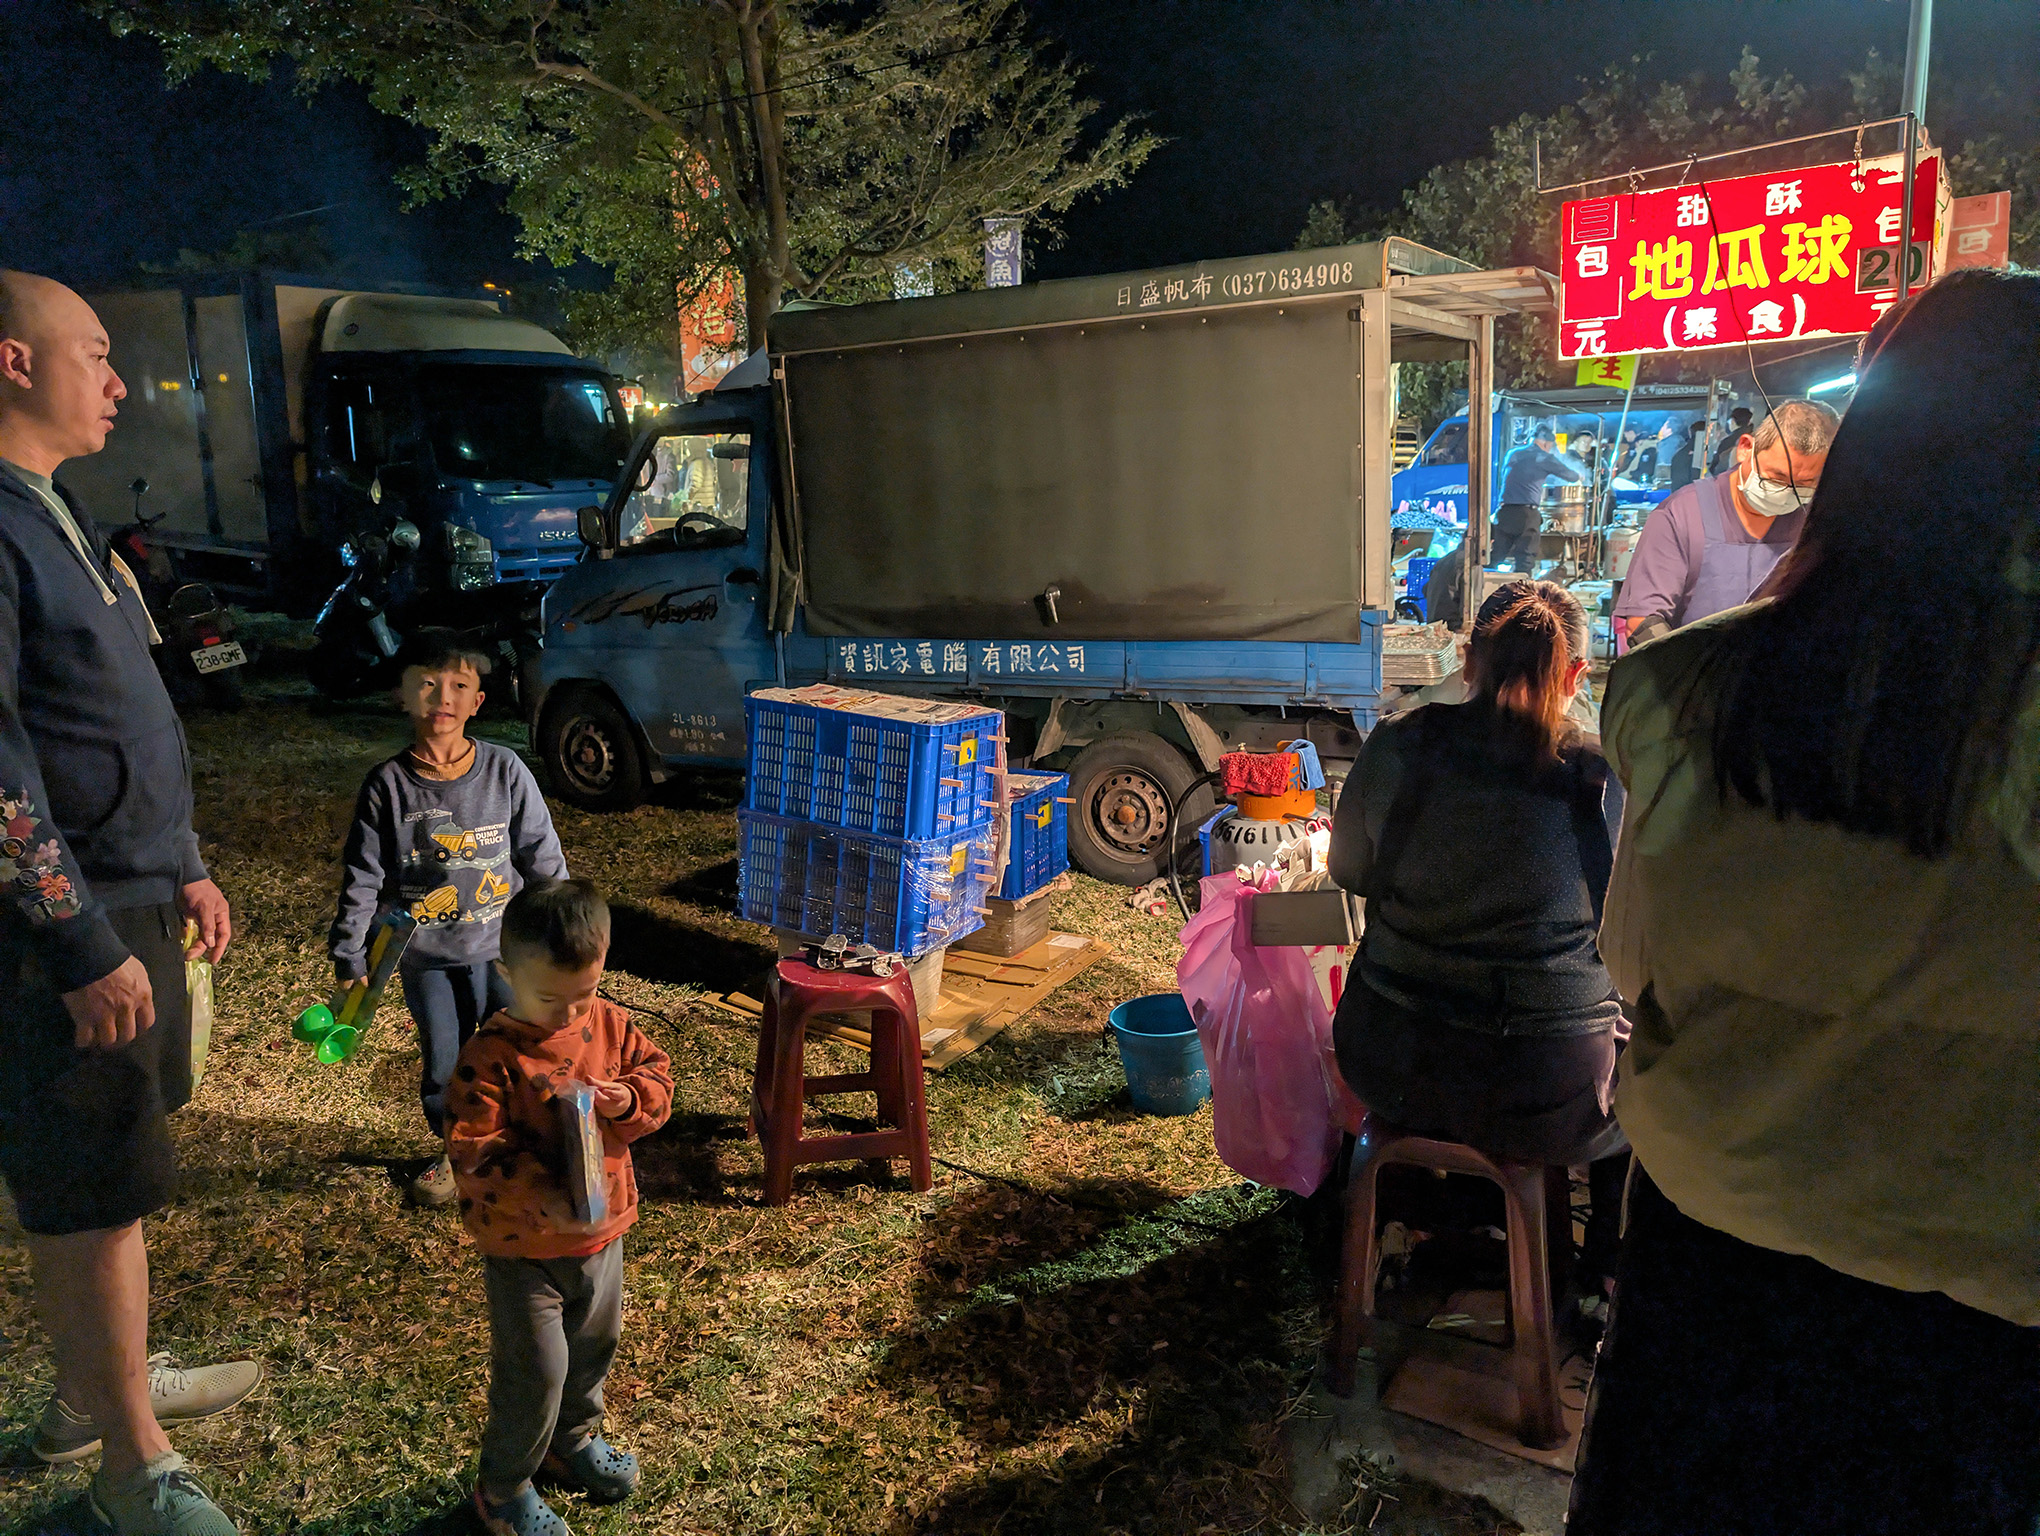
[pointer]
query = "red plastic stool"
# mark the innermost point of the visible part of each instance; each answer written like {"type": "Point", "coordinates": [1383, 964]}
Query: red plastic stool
{"type": "Point", "coordinates": [1539, 1235]}
{"type": "Point", "coordinates": [794, 993]}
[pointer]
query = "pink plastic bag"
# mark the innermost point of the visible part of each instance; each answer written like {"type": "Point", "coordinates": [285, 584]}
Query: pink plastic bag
{"type": "Point", "coordinates": [1267, 1036]}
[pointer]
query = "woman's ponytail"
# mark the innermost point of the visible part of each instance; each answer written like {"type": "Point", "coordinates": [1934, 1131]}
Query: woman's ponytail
{"type": "Point", "coordinates": [1525, 640]}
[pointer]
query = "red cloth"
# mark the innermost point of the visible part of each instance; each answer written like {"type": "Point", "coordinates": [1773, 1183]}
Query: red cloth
{"type": "Point", "coordinates": [1257, 773]}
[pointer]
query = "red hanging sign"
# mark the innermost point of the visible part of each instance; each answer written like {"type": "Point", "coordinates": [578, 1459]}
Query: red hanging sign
{"type": "Point", "coordinates": [1771, 257]}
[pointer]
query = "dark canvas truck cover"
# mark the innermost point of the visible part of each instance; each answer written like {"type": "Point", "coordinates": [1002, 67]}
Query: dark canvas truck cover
{"type": "Point", "coordinates": [1176, 453]}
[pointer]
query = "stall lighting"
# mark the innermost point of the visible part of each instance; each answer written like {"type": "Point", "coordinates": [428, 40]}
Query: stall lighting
{"type": "Point", "coordinates": [1846, 381]}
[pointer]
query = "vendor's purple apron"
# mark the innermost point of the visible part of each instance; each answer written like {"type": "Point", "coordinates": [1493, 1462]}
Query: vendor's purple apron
{"type": "Point", "coordinates": [1729, 573]}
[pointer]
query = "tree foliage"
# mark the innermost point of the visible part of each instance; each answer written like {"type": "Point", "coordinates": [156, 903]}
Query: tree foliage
{"type": "Point", "coordinates": [807, 146]}
{"type": "Point", "coordinates": [289, 248]}
{"type": "Point", "coordinates": [1488, 210]}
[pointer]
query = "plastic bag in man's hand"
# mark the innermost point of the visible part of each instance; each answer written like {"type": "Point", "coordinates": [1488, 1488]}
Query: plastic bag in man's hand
{"type": "Point", "coordinates": [1267, 1036]}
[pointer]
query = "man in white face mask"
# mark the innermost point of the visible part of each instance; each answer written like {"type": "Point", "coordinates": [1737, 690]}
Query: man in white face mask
{"type": "Point", "coordinates": [1709, 545]}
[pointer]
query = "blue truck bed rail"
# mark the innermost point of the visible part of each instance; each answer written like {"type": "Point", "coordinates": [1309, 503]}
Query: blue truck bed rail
{"type": "Point", "coordinates": [1244, 672]}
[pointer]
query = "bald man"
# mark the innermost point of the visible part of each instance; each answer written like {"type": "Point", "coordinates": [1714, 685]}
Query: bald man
{"type": "Point", "coordinates": [99, 871]}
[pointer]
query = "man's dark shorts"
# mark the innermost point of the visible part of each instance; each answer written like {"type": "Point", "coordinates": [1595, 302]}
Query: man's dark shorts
{"type": "Point", "coordinates": [84, 1135]}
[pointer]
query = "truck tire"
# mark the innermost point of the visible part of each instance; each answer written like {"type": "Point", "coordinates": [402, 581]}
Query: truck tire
{"type": "Point", "coordinates": [1123, 787]}
{"type": "Point", "coordinates": [589, 751]}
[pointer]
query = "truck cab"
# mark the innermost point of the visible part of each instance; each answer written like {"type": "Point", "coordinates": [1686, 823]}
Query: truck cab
{"type": "Point", "coordinates": [678, 568]}
{"type": "Point", "coordinates": [484, 430]}
{"type": "Point", "coordinates": [275, 417]}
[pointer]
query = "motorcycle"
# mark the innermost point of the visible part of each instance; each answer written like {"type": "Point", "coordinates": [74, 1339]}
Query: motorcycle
{"type": "Point", "coordinates": [382, 596]}
{"type": "Point", "coordinates": [199, 659]}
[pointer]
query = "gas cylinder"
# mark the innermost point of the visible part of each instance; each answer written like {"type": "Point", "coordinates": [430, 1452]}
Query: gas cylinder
{"type": "Point", "coordinates": [1237, 839]}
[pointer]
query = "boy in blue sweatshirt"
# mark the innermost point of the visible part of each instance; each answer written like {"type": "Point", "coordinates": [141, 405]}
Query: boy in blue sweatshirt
{"type": "Point", "coordinates": [449, 830]}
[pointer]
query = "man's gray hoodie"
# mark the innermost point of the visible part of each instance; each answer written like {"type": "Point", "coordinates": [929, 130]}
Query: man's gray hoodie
{"type": "Point", "coordinates": [95, 777]}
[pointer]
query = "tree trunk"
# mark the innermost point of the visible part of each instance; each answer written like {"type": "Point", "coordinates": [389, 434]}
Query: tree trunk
{"type": "Point", "coordinates": [763, 290]}
{"type": "Point", "coordinates": [758, 40]}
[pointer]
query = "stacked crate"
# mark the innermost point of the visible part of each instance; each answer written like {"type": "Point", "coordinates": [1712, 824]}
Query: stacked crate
{"type": "Point", "coordinates": [1017, 916]}
{"type": "Point", "coordinates": [1041, 832]}
{"type": "Point", "coordinates": [868, 815]}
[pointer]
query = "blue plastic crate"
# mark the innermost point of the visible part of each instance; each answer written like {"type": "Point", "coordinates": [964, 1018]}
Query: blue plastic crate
{"type": "Point", "coordinates": [1419, 575]}
{"type": "Point", "coordinates": [873, 762]}
{"type": "Point", "coordinates": [1041, 832]}
{"type": "Point", "coordinates": [895, 893]}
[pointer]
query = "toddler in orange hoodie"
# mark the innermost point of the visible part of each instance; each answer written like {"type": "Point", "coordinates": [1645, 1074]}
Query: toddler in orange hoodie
{"type": "Point", "coordinates": [554, 1280]}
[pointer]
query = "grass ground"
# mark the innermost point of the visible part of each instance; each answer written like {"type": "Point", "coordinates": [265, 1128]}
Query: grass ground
{"type": "Point", "coordinates": [1089, 1325]}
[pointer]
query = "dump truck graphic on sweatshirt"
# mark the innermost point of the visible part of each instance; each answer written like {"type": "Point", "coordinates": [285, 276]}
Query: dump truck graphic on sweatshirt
{"type": "Point", "coordinates": [449, 852]}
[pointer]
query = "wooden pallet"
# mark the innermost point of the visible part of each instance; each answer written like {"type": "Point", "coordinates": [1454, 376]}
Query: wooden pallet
{"type": "Point", "coordinates": [981, 995]}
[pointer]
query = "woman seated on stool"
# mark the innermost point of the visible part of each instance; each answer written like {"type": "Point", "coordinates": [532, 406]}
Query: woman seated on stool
{"type": "Point", "coordinates": [1481, 835]}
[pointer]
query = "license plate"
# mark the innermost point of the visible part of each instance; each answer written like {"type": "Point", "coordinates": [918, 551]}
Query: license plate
{"type": "Point", "coordinates": [217, 658]}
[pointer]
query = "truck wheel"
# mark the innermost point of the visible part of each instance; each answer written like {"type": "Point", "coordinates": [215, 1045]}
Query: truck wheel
{"type": "Point", "coordinates": [1124, 786]}
{"type": "Point", "coordinates": [590, 753]}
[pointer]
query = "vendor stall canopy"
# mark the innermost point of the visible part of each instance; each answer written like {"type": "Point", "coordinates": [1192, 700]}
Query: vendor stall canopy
{"type": "Point", "coordinates": [1171, 455]}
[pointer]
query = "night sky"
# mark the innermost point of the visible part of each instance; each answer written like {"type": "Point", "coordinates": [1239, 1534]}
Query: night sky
{"type": "Point", "coordinates": [1269, 105]}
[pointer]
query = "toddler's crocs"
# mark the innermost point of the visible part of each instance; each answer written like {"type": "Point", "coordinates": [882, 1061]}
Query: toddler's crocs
{"type": "Point", "coordinates": [525, 1515]}
{"type": "Point", "coordinates": [597, 1469]}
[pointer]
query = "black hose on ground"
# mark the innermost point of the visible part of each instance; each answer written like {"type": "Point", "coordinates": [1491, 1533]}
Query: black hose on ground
{"type": "Point", "coordinates": [1174, 850]}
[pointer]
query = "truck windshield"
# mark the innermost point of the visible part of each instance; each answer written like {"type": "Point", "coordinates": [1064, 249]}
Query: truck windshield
{"type": "Point", "coordinates": [509, 422]}
{"type": "Point", "coordinates": [1449, 447]}
{"type": "Point", "coordinates": [693, 491]}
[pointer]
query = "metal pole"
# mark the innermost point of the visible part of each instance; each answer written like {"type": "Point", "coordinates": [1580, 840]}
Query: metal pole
{"type": "Point", "coordinates": [1919, 40]}
{"type": "Point", "coordinates": [1604, 498]}
{"type": "Point", "coordinates": [1705, 451]}
{"type": "Point", "coordinates": [1905, 203]}
{"type": "Point", "coordinates": [1480, 450]}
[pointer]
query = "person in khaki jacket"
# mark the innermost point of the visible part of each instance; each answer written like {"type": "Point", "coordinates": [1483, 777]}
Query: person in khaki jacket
{"type": "Point", "coordinates": [1825, 919]}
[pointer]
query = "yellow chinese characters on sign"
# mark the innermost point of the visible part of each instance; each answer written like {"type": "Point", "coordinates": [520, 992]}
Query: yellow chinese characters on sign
{"type": "Point", "coordinates": [1741, 253]}
{"type": "Point", "coordinates": [1813, 252]}
{"type": "Point", "coordinates": [1615, 372]}
{"type": "Point", "coordinates": [1663, 270]}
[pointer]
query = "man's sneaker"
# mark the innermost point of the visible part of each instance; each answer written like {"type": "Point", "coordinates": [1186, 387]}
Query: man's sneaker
{"type": "Point", "coordinates": [434, 1187]}
{"type": "Point", "coordinates": [597, 1469]}
{"type": "Point", "coordinates": [525, 1515]}
{"type": "Point", "coordinates": [178, 1397]}
{"type": "Point", "coordinates": [161, 1499]}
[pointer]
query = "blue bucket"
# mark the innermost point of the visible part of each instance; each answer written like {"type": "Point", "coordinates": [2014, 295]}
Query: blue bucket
{"type": "Point", "coordinates": [1163, 1057]}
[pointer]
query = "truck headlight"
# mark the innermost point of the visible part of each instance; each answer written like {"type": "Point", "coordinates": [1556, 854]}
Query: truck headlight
{"type": "Point", "coordinates": [470, 559]}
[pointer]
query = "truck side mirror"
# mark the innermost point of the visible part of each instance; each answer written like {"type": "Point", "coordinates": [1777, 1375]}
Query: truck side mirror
{"type": "Point", "coordinates": [588, 523]}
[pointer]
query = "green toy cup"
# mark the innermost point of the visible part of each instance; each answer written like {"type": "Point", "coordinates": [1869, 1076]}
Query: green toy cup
{"type": "Point", "coordinates": [338, 1044]}
{"type": "Point", "coordinates": [313, 1024]}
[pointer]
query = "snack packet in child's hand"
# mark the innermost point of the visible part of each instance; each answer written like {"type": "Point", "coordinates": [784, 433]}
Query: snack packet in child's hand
{"type": "Point", "coordinates": [581, 1130]}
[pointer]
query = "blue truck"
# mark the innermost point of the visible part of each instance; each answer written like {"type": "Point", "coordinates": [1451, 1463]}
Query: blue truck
{"type": "Point", "coordinates": [1430, 495]}
{"type": "Point", "coordinates": [279, 421]}
{"type": "Point", "coordinates": [1435, 481]}
{"type": "Point", "coordinates": [1147, 516]}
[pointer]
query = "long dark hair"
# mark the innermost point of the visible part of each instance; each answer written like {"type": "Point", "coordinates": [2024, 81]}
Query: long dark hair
{"type": "Point", "coordinates": [1525, 637]}
{"type": "Point", "coordinates": [1881, 690]}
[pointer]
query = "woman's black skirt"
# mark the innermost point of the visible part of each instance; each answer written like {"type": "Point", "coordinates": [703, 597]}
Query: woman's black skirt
{"type": "Point", "coordinates": [1744, 1392]}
